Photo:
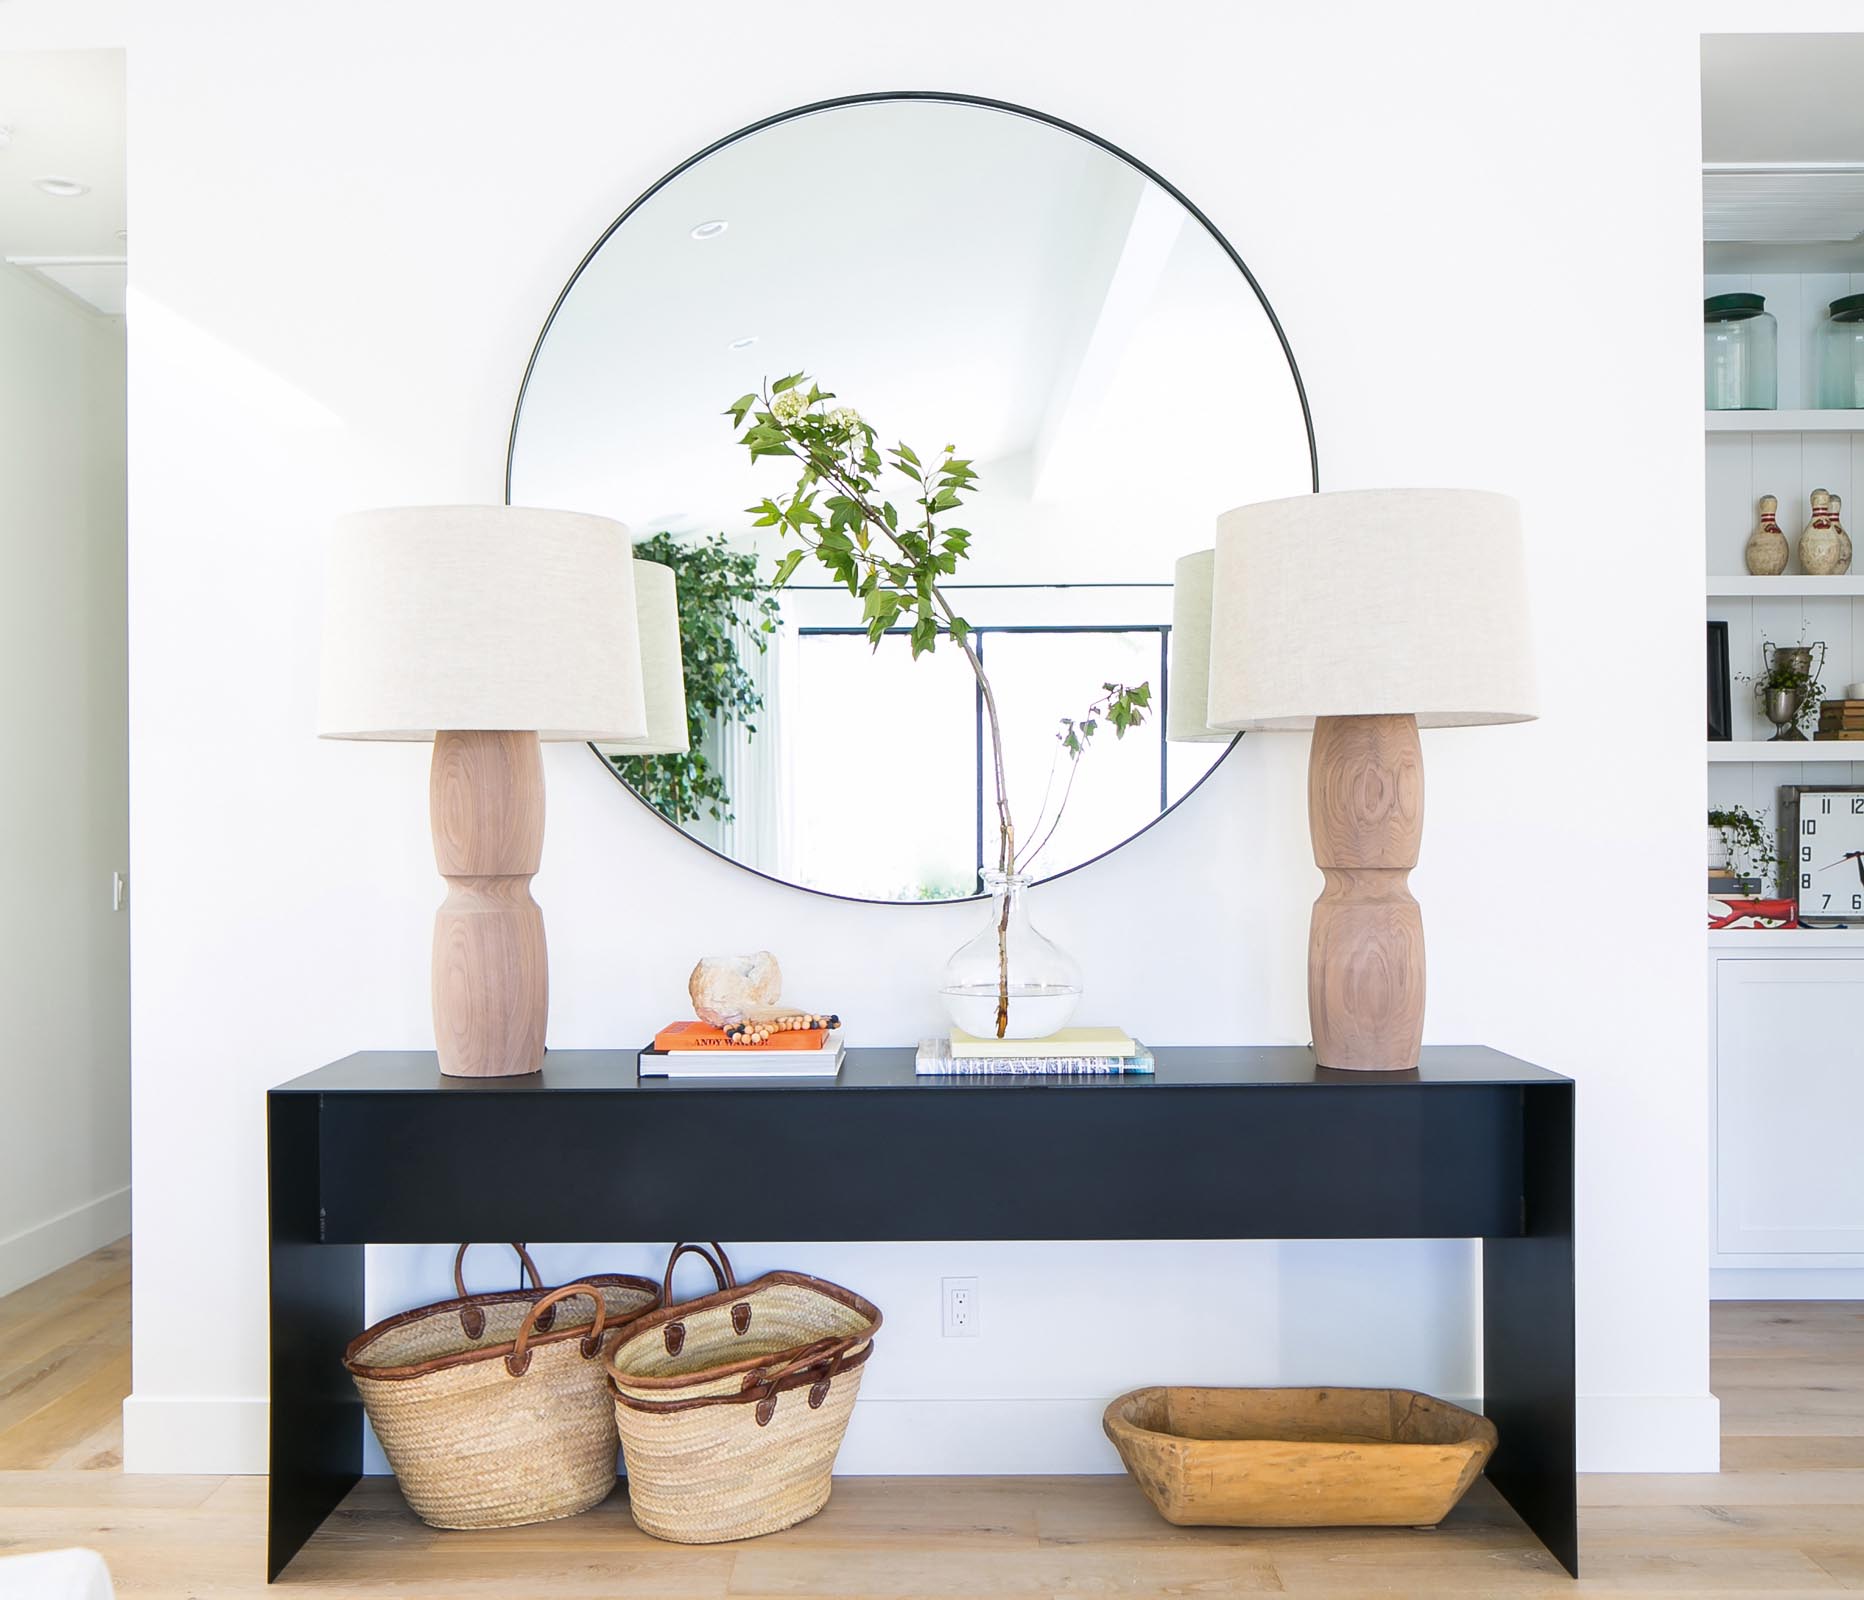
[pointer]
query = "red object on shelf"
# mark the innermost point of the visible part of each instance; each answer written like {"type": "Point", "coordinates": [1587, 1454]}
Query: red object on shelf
{"type": "Point", "coordinates": [1783, 914]}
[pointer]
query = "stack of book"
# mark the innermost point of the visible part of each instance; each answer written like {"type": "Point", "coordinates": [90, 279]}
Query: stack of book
{"type": "Point", "coordinates": [1725, 884]}
{"type": "Point", "coordinates": [1089, 1051]}
{"type": "Point", "coordinates": [1841, 719]}
{"type": "Point", "coordinates": [698, 1050]}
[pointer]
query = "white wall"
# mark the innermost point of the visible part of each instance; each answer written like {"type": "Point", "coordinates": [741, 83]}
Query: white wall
{"type": "Point", "coordinates": [346, 237]}
{"type": "Point", "coordinates": [64, 801]}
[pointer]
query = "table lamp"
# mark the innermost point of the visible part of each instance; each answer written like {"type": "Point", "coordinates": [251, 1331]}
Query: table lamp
{"type": "Point", "coordinates": [1189, 679]}
{"type": "Point", "coordinates": [663, 668]}
{"type": "Point", "coordinates": [483, 629]}
{"type": "Point", "coordinates": [1366, 615]}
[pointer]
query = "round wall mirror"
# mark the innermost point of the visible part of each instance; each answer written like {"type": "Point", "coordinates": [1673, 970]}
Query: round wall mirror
{"type": "Point", "coordinates": [964, 275]}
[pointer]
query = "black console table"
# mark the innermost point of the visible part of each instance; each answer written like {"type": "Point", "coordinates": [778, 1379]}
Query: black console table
{"type": "Point", "coordinates": [1223, 1143]}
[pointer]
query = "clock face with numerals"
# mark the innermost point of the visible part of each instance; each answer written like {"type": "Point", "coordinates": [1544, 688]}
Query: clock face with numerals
{"type": "Point", "coordinates": [1828, 851]}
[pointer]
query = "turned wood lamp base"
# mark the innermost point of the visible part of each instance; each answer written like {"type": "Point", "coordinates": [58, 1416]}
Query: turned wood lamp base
{"type": "Point", "coordinates": [1365, 948]}
{"type": "Point", "coordinates": [491, 979]}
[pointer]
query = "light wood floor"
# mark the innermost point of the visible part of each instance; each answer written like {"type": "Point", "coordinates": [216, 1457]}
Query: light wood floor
{"type": "Point", "coordinates": [1786, 1518]}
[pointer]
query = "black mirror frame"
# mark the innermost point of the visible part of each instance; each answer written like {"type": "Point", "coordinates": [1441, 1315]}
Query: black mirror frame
{"type": "Point", "coordinates": [950, 98]}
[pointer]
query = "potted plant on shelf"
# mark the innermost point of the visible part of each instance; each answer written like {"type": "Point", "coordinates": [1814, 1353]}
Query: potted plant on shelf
{"type": "Point", "coordinates": [1741, 853]}
{"type": "Point", "coordinates": [1788, 687]}
{"type": "Point", "coordinates": [1009, 982]}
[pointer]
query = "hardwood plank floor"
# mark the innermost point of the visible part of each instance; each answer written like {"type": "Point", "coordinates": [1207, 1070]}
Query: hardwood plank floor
{"type": "Point", "coordinates": [1784, 1518]}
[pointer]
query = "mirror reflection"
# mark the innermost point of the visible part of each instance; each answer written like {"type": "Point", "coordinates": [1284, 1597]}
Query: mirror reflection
{"type": "Point", "coordinates": [958, 276]}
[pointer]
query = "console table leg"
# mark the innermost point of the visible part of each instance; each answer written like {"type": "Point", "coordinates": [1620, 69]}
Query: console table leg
{"type": "Point", "coordinates": [316, 1309]}
{"type": "Point", "coordinates": [1528, 1375]}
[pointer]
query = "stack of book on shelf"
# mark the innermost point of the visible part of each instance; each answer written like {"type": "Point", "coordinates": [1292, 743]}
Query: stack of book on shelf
{"type": "Point", "coordinates": [1725, 884]}
{"type": "Point", "coordinates": [1089, 1051]}
{"type": "Point", "coordinates": [1841, 719]}
{"type": "Point", "coordinates": [698, 1050]}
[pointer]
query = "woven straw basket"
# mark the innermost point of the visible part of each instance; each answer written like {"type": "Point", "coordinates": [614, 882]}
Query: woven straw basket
{"type": "Point", "coordinates": [490, 1411]}
{"type": "Point", "coordinates": [731, 1407]}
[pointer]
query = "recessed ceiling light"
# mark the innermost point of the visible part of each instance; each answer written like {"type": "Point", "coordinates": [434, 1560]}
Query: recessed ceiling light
{"type": "Point", "coordinates": [743, 344]}
{"type": "Point", "coordinates": [63, 188]}
{"type": "Point", "coordinates": [712, 229]}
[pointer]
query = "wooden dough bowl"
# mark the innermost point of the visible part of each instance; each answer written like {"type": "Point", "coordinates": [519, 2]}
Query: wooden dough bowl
{"type": "Point", "coordinates": [1299, 1458]}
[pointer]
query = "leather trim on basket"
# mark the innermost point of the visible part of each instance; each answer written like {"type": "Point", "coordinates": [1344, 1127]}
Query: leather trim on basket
{"type": "Point", "coordinates": [675, 1333]}
{"type": "Point", "coordinates": [575, 1330]}
{"type": "Point", "coordinates": [740, 1317]}
{"type": "Point", "coordinates": [644, 1326]}
{"type": "Point", "coordinates": [809, 1376]}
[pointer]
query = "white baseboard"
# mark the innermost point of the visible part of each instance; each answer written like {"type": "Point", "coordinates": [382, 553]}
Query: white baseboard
{"type": "Point", "coordinates": [926, 1437]}
{"type": "Point", "coordinates": [195, 1434]}
{"type": "Point", "coordinates": [57, 1242]}
{"type": "Point", "coordinates": [1786, 1283]}
{"type": "Point", "coordinates": [1650, 1433]}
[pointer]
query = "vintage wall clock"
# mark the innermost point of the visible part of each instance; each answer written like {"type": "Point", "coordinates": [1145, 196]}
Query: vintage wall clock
{"type": "Point", "coordinates": [1822, 851]}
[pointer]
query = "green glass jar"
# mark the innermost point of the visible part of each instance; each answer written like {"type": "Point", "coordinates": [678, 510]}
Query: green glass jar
{"type": "Point", "coordinates": [1841, 356]}
{"type": "Point", "coordinates": [1740, 364]}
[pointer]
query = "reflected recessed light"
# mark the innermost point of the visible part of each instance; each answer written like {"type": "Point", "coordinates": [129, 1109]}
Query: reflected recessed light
{"type": "Point", "coordinates": [743, 344]}
{"type": "Point", "coordinates": [712, 229]}
{"type": "Point", "coordinates": [63, 188]}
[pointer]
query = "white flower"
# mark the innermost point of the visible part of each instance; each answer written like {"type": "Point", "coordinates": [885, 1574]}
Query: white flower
{"type": "Point", "coordinates": [789, 407]}
{"type": "Point", "coordinates": [845, 421]}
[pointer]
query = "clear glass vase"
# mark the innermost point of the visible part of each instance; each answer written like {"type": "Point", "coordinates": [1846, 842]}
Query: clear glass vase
{"type": "Point", "coordinates": [1010, 982]}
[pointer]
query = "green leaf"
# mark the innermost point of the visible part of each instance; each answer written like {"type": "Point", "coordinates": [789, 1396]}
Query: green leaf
{"type": "Point", "coordinates": [787, 383]}
{"type": "Point", "coordinates": [905, 452]}
{"type": "Point", "coordinates": [791, 561]}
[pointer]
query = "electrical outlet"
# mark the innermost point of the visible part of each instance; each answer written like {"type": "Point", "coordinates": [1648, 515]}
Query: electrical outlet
{"type": "Point", "coordinates": [960, 1302]}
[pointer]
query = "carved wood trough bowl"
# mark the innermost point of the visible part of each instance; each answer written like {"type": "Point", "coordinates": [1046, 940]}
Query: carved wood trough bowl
{"type": "Point", "coordinates": [1299, 1458]}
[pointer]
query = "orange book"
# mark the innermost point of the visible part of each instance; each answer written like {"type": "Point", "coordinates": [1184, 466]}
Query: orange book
{"type": "Point", "coordinates": [696, 1035]}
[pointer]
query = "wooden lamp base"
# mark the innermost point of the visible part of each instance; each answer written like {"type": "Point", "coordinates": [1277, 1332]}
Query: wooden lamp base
{"type": "Point", "coordinates": [491, 977]}
{"type": "Point", "coordinates": [1365, 948]}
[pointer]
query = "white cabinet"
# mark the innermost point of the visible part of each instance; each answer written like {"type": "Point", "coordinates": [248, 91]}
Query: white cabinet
{"type": "Point", "coordinates": [1789, 1109]}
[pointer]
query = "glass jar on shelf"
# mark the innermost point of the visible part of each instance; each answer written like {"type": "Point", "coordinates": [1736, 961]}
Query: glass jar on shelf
{"type": "Point", "coordinates": [1841, 356]}
{"type": "Point", "coordinates": [1739, 356]}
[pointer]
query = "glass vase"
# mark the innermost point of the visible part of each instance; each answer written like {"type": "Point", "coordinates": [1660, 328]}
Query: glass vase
{"type": "Point", "coordinates": [1010, 982]}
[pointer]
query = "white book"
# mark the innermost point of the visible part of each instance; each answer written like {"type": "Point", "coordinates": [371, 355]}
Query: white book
{"type": "Point", "coordinates": [935, 1060]}
{"type": "Point", "coordinates": [746, 1063]}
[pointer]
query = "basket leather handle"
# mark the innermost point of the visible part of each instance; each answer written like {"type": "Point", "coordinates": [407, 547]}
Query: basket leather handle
{"type": "Point", "coordinates": [519, 1361]}
{"type": "Point", "coordinates": [524, 1256]}
{"type": "Point", "coordinates": [824, 1352]}
{"type": "Point", "coordinates": [472, 1317]}
{"type": "Point", "coordinates": [715, 1258]}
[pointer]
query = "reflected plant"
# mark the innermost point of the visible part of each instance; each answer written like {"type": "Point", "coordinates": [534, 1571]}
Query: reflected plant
{"type": "Point", "coordinates": [891, 557]}
{"type": "Point", "coordinates": [721, 602]}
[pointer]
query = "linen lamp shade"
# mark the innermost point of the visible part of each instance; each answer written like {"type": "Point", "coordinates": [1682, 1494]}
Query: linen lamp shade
{"type": "Point", "coordinates": [483, 618]}
{"type": "Point", "coordinates": [1369, 602]}
{"type": "Point", "coordinates": [1185, 719]}
{"type": "Point", "coordinates": [663, 673]}
{"type": "Point", "coordinates": [484, 629]}
{"type": "Point", "coordinates": [1365, 615]}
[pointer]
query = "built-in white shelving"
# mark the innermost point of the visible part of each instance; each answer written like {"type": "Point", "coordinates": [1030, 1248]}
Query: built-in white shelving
{"type": "Point", "coordinates": [1788, 585]}
{"type": "Point", "coordinates": [1786, 941]}
{"type": "Point", "coordinates": [1785, 421]}
{"type": "Point", "coordinates": [1795, 750]}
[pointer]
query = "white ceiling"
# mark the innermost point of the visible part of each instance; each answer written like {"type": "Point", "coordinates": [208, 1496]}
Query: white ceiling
{"type": "Point", "coordinates": [63, 110]}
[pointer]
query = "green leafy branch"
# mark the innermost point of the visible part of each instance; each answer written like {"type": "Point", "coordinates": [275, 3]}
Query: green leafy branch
{"type": "Point", "coordinates": [890, 549]}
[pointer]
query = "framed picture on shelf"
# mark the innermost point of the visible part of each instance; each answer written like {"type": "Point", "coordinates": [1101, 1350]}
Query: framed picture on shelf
{"type": "Point", "coordinates": [1721, 718]}
{"type": "Point", "coordinates": [1822, 851]}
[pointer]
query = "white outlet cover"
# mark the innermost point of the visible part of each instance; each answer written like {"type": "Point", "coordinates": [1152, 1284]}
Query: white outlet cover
{"type": "Point", "coordinates": [958, 1301]}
